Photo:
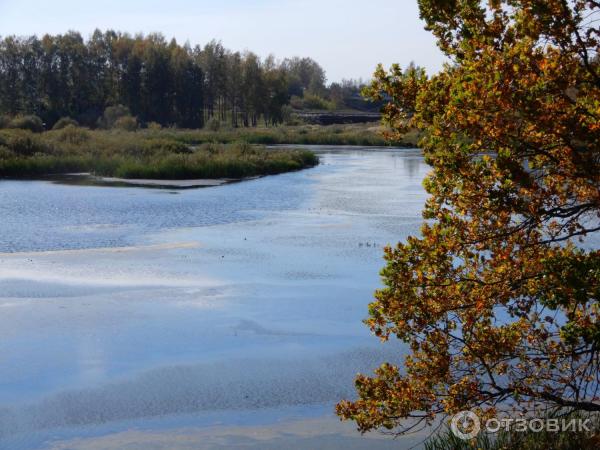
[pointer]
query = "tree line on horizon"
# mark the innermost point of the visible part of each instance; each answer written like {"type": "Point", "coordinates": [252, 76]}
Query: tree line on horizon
{"type": "Point", "coordinates": [158, 81]}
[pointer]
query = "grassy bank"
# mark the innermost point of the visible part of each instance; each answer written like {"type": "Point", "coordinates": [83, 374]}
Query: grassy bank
{"type": "Point", "coordinates": [151, 154]}
{"type": "Point", "coordinates": [351, 134]}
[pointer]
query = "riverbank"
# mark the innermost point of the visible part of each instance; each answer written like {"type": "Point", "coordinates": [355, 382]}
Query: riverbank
{"type": "Point", "coordinates": [156, 155]}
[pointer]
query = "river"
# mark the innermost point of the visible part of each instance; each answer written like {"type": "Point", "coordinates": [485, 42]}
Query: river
{"type": "Point", "coordinates": [201, 318]}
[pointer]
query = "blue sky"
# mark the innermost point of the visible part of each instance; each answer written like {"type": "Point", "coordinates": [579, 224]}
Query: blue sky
{"type": "Point", "coordinates": [348, 38]}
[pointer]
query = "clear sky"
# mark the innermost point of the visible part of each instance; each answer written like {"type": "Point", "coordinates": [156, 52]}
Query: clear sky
{"type": "Point", "coordinates": [347, 37]}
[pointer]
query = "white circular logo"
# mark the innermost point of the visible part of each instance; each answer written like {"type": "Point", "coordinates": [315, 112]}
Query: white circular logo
{"type": "Point", "coordinates": [465, 425]}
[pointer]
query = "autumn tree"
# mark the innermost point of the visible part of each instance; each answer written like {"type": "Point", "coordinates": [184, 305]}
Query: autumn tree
{"type": "Point", "coordinates": [497, 299]}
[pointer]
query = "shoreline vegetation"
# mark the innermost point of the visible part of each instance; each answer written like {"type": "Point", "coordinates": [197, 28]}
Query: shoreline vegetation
{"type": "Point", "coordinates": [172, 154]}
{"type": "Point", "coordinates": [363, 134]}
{"type": "Point", "coordinates": [144, 107]}
{"type": "Point", "coordinates": [157, 80]}
{"type": "Point", "coordinates": [139, 155]}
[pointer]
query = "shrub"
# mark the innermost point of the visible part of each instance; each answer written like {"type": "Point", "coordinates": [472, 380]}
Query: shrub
{"type": "Point", "coordinates": [65, 122]}
{"type": "Point", "coordinates": [312, 101]}
{"type": "Point", "coordinates": [22, 142]}
{"type": "Point", "coordinates": [6, 152]}
{"type": "Point", "coordinates": [167, 146]}
{"type": "Point", "coordinates": [31, 123]}
{"type": "Point", "coordinates": [154, 126]}
{"type": "Point", "coordinates": [112, 114]}
{"type": "Point", "coordinates": [213, 124]}
{"type": "Point", "coordinates": [73, 135]}
{"type": "Point", "coordinates": [126, 123]}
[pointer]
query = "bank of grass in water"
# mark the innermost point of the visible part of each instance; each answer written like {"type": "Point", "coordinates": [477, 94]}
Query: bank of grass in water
{"type": "Point", "coordinates": [138, 155]}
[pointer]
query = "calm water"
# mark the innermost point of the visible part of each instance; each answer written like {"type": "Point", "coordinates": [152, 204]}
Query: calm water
{"type": "Point", "coordinates": [146, 309]}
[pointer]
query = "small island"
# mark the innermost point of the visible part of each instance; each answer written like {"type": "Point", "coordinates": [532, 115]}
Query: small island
{"type": "Point", "coordinates": [149, 155]}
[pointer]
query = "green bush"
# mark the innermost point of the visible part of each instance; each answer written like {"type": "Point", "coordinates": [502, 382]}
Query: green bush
{"type": "Point", "coordinates": [167, 146]}
{"type": "Point", "coordinates": [65, 122]}
{"type": "Point", "coordinates": [72, 135]}
{"type": "Point", "coordinates": [22, 142]}
{"type": "Point", "coordinates": [30, 122]}
{"type": "Point", "coordinates": [112, 114]}
{"type": "Point", "coordinates": [126, 123]}
{"type": "Point", "coordinates": [312, 101]}
{"type": "Point", "coordinates": [6, 152]}
{"type": "Point", "coordinates": [154, 126]}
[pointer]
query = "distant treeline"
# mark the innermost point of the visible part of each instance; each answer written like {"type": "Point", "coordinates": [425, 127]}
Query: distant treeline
{"type": "Point", "coordinates": [157, 81]}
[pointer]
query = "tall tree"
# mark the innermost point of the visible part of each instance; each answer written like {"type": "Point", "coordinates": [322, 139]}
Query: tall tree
{"type": "Point", "coordinates": [130, 55]}
{"type": "Point", "coordinates": [10, 75]}
{"type": "Point", "coordinates": [187, 89]}
{"type": "Point", "coordinates": [234, 86]}
{"type": "Point", "coordinates": [253, 89]}
{"type": "Point", "coordinates": [212, 59]}
{"type": "Point", "coordinates": [275, 91]}
{"type": "Point", "coordinates": [156, 80]}
{"type": "Point", "coordinates": [30, 91]}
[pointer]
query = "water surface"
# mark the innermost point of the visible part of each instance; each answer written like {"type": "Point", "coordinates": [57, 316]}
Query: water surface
{"type": "Point", "coordinates": [130, 314]}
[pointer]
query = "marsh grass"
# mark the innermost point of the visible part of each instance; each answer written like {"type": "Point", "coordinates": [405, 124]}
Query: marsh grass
{"type": "Point", "coordinates": [351, 134]}
{"type": "Point", "coordinates": [149, 154]}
